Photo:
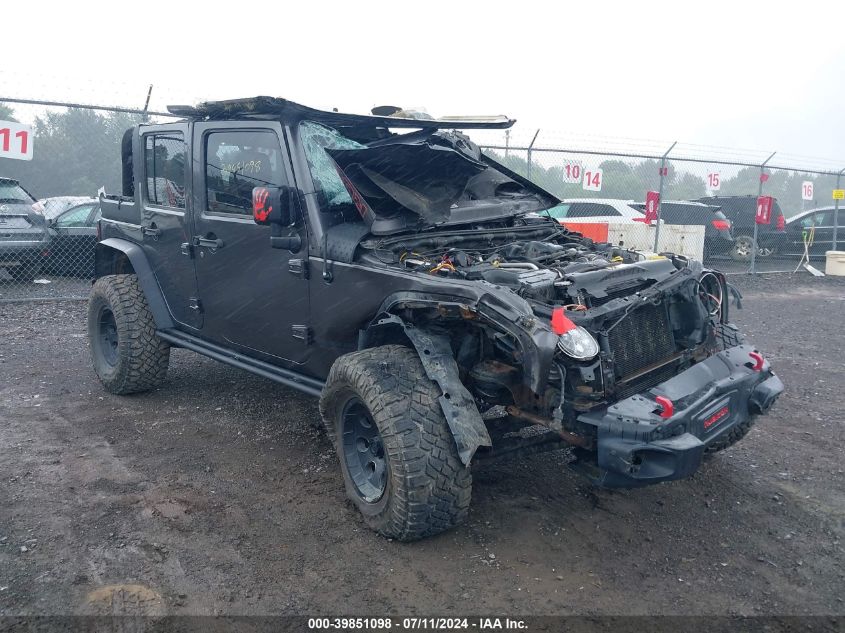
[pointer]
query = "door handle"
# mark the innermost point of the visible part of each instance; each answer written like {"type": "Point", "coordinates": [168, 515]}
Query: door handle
{"type": "Point", "coordinates": [153, 231]}
{"type": "Point", "coordinates": [209, 242]}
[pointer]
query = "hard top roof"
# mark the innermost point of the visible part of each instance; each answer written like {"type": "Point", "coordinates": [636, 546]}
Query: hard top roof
{"type": "Point", "coordinates": [275, 107]}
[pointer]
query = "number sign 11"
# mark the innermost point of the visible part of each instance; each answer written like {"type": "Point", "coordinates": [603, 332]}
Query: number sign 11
{"type": "Point", "coordinates": [15, 140]}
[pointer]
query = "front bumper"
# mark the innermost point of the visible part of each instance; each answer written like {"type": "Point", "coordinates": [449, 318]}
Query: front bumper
{"type": "Point", "coordinates": [636, 446]}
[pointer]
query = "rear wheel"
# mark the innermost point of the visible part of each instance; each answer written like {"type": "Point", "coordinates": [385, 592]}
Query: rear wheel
{"type": "Point", "coordinates": [399, 460]}
{"type": "Point", "coordinates": [742, 248]}
{"type": "Point", "coordinates": [127, 355]}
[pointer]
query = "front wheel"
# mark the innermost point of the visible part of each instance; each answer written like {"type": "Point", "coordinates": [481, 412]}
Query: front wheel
{"type": "Point", "coordinates": [127, 355]}
{"type": "Point", "coordinates": [399, 460]}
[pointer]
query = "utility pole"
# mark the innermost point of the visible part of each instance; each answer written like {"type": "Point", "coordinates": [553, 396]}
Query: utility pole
{"type": "Point", "coordinates": [660, 194]}
{"type": "Point", "coordinates": [759, 193]}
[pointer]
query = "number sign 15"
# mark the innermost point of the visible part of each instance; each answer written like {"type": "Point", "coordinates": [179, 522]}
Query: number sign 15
{"type": "Point", "coordinates": [714, 182]}
{"type": "Point", "coordinates": [15, 140]}
{"type": "Point", "coordinates": [592, 180]}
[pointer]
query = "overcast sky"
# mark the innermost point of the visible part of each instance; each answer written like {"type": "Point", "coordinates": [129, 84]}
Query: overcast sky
{"type": "Point", "coordinates": [750, 75]}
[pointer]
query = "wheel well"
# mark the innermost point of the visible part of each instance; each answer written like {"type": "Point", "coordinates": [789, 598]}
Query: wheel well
{"type": "Point", "coordinates": [111, 261]}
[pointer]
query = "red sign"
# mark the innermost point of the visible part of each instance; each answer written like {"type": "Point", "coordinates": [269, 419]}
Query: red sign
{"type": "Point", "coordinates": [652, 205]}
{"type": "Point", "coordinates": [764, 210]}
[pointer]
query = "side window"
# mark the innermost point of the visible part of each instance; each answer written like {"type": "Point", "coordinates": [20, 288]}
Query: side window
{"type": "Point", "coordinates": [75, 217]}
{"type": "Point", "coordinates": [235, 162]}
{"type": "Point", "coordinates": [559, 211]}
{"type": "Point", "coordinates": [164, 157]}
{"type": "Point", "coordinates": [824, 218]}
{"type": "Point", "coordinates": [590, 210]}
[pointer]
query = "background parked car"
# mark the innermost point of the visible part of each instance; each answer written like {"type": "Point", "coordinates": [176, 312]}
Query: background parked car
{"type": "Point", "coordinates": [73, 238]}
{"type": "Point", "coordinates": [818, 225]}
{"type": "Point", "coordinates": [717, 227]}
{"type": "Point", "coordinates": [593, 210]}
{"type": "Point", "coordinates": [741, 211]}
{"type": "Point", "coordinates": [54, 207]}
{"type": "Point", "coordinates": [23, 231]}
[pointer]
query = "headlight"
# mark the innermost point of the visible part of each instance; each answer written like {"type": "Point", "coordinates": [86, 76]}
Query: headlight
{"type": "Point", "coordinates": [578, 343]}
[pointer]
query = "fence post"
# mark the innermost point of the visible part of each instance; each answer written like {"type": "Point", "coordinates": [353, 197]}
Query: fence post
{"type": "Point", "coordinates": [530, 147]}
{"type": "Point", "coordinates": [836, 214]}
{"type": "Point", "coordinates": [753, 269]}
{"type": "Point", "coordinates": [660, 195]}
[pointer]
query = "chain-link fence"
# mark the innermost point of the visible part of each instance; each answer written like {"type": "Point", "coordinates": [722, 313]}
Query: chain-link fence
{"type": "Point", "coordinates": [737, 216]}
{"type": "Point", "coordinates": [742, 215]}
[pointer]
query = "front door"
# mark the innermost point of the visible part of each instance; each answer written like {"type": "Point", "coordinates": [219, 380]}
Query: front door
{"type": "Point", "coordinates": [251, 296]}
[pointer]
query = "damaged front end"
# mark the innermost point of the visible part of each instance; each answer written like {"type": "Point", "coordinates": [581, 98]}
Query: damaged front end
{"type": "Point", "coordinates": [537, 336]}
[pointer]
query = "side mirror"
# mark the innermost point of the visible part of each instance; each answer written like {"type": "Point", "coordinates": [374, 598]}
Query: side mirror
{"type": "Point", "coordinates": [271, 205]}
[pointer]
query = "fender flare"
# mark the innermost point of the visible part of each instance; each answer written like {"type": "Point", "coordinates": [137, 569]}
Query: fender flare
{"type": "Point", "coordinates": [458, 405]}
{"type": "Point", "coordinates": [144, 272]}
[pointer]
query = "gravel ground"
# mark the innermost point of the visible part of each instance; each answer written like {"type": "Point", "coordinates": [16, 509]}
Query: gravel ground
{"type": "Point", "coordinates": [218, 494]}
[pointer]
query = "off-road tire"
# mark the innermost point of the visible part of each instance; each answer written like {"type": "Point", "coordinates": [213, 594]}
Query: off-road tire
{"type": "Point", "coordinates": [728, 336]}
{"type": "Point", "coordinates": [138, 359]}
{"type": "Point", "coordinates": [731, 437]}
{"type": "Point", "coordinates": [427, 488]}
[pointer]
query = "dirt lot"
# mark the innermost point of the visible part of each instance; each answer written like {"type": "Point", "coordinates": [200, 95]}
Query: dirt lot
{"type": "Point", "coordinates": [218, 494]}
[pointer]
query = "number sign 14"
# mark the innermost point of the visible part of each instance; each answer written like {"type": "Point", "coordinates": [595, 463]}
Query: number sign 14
{"type": "Point", "coordinates": [592, 180]}
{"type": "Point", "coordinates": [15, 140]}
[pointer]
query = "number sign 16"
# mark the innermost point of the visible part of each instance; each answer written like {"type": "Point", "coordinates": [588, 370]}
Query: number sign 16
{"type": "Point", "coordinates": [15, 140]}
{"type": "Point", "coordinates": [592, 180]}
{"type": "Point", "coordinates": [807, 190]}
{"type": "Point", "coordinates": [714, 182]}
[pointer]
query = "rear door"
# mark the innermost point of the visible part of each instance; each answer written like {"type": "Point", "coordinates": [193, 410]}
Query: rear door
{"type": "Point", "coordinates": [252, 296]}
{"type": "Point", "coordinates": [166, 225]}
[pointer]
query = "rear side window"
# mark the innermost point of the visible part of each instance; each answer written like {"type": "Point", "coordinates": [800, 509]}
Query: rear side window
{"type": "Point", "coordinates": [590, 210]}
{"type": "Point", "coordinates": [235, 163]}
{"type": "Point", "coordinates": [164, 157]}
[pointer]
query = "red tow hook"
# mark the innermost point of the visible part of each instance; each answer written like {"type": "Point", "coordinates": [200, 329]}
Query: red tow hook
{"type": "Point", "coordinates": [757, 357]}
{"type": "Point", "coordinates": [667, 409]}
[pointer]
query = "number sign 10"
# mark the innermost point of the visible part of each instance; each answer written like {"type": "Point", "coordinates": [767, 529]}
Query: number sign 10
{"type": "Point", "coordinates": [15, 140]}
{"type": "Point", "coordinates": [572, 172]}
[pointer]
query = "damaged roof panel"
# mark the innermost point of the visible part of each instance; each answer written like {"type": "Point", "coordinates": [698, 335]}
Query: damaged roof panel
{"type": "Point", "coordinates": [274, 107]}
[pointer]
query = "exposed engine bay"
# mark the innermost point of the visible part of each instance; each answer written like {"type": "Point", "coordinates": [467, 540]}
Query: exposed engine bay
{"type": "Point", "coordinates": [626, 321]}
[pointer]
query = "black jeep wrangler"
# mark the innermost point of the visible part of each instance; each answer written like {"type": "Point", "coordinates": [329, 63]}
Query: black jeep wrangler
{"type": "Point", "coordinates": [388, 267]}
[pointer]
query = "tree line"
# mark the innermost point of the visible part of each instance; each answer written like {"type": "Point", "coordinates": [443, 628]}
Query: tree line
{"type": "Point", "coordinates": [75, 152]}
{"type": "Point", "coordinates": [630, 180]}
